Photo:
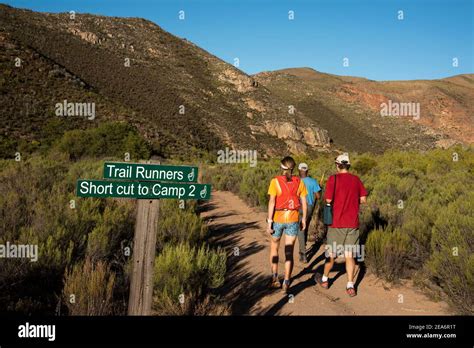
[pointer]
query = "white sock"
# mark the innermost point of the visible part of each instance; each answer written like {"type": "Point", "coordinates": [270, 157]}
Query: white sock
{"type": "Point", "coordinates": [324, 278]}
{"type": "Point", "coordinates": [350, 285]}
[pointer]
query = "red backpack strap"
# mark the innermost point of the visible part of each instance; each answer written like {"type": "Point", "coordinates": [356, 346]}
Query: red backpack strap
{"type": "Point", "coordinates": [289, 192]}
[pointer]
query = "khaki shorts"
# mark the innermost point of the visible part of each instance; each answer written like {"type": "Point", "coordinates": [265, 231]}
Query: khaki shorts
{"type": "Point", "coordinates": [340, 240]}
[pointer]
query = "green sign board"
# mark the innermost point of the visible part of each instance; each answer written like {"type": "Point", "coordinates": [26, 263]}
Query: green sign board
{"type": "Point", "coordinates": [149, 172]}
{"type": "Point", "coordinates": [142, 190]}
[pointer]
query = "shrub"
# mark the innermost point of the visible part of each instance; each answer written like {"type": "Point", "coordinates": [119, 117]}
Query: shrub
{"type": "Point", "coordinates": [182, 272]}
{"type": "Point", "coordinates": [176, 225]}
{"type": "Point", "coordinates": [364, 165]}
{"type": "Point", "coordinates": [108, 139]}
{"type": "Point", "coordinates": [114, 226]}
{"type": "Point", "coordinates": [451, 264]}
{"type": "Point", "coordinates": [88, 289]}
{"type": "Point", "coordinates": [251, 189]}
{"type": "Point", "coordinates": [387, 252]}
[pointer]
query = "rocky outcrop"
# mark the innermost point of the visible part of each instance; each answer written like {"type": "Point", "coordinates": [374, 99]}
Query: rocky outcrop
{"type": "Point", "coordinates": [296, 147]}
{"type": "Point", "coordinates": [242, 82]}
{"type": "Point", "coordinates": [311, 136]}
{"type": "Point", "coordinates": [446, 143]}
{"type": "Point", "coordinates": [298, 139]}
{"type": "Point", "coordinates": [316, 137]}
{"type": "Point", "coordinates": [255, 105]}
{"type": "Point", "coordinates": [85, 35]}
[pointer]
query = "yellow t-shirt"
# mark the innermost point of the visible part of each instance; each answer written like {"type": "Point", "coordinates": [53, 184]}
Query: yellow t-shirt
{"type": "Point", "coordinates": [285, 216]}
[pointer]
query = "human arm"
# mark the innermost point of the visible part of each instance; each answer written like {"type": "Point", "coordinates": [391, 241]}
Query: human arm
{"type": "Point", "coordinates": [304, 206]}
{"type": "Point", "coordinates": [317, 191]}
{"type": "Point", "coordinates": [271, 210]}
{"type": "Point", "coordinates": [329, 191]}
{"type": "Point", "coordinates": [362, 193]}
{"type": "Point", "coordinates": [317, 196]}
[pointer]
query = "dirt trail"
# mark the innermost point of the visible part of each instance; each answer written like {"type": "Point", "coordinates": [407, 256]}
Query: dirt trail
{"type": "Point", "coordinates": [241, 231]}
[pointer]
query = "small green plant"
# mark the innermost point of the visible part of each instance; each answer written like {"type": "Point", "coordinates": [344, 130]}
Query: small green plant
{"type": "Point", "coordinates": [182, 273]}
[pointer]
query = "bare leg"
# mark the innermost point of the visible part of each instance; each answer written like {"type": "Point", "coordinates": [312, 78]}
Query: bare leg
{"type": "Point", "coordinates": [350, 267]}
{"type": "Point", "coordinates": [328, 265]}
{"type": "Point", "coordinates": [274, 244]}
{"type": "Point", "coordinates": [289, 246]}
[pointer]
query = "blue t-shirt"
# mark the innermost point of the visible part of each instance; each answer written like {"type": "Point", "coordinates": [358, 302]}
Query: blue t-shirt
{"type": "Point", "coordinates": [312, 186]}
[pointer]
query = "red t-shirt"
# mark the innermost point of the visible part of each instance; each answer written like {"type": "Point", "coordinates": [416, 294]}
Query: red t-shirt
{"type": "Point", "coordinates": [349, 189]}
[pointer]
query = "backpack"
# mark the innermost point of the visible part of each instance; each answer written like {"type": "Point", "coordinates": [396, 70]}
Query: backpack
{"type": "Point", "coordinates": [289, 199]}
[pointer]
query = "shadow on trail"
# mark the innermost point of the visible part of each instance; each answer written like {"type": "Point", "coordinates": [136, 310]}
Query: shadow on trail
{"type": "Point", "coordinates": [294, 290]}
{"type": "Point", "coordinates": [298, 288]}
{"type": "Point", "coordinates": [204, 207]}
{"type": "Point", "coordinates": [242, 289]}
{"type": "Point", "coordinates": [310, 282]}
{"type": "Point", "coordinates": [316, 266]}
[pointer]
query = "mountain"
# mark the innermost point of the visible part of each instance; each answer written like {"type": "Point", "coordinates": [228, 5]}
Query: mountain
{"type": "Point", "coordinates": [178, 95]}
{"type": "Point", "coordinates": [350, 108]}
{"type": "Point", "coordinates": [183, 99]}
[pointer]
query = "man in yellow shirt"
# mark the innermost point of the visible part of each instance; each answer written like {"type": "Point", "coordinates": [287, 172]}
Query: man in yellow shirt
{"type": "Point", "coordinates": [285, 201]}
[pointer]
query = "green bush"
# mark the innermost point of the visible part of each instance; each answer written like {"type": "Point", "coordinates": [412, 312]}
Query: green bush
{"type": "Point", "coordinates": [111, 139]}
{"type": "Point", "coordinates": [364, 165]}
{"type": "Point", "coordinates": [114, 227]}
{"type": "Point", "coordinates": [451, 264]}
{"type": "Point", "coordinates": [251, 189]}
{"type": "Point", "coordinates": [182, 273]}
{"type": "Point", "coordinates": [179, 224]}
{"type": "Point", "coordinates": [387, 253]}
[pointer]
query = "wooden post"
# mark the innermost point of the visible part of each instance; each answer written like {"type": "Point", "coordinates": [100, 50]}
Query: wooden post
{"type": "Point", "coordinates": [144, 247]}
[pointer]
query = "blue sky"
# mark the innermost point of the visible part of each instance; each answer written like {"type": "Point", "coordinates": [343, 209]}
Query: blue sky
{"type": "Point", "coordinates": [378, 45]}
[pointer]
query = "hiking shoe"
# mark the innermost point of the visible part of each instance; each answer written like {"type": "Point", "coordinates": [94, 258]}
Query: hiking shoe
{"type": "Point", "coordinates": [275, 283]}
{"type": "Point", "coordinates": [319, 279]}
{"type": "Point", "coordinates": [351, 292]}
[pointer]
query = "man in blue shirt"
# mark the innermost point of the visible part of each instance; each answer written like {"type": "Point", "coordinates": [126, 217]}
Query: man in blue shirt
{"type": "Point", "coordinates": [312, 198]}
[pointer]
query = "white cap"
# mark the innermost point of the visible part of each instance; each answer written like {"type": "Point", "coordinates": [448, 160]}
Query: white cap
{"type": "Point", "coordinates": [343, 159]}
{"type": "Point", "coordinates": [303, 167]}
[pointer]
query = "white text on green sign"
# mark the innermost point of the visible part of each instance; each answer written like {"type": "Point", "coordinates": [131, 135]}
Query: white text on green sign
{"type": "Point", "coordinates": [142, 190]}
{"type": "Point", "coordinates": [152, 172]}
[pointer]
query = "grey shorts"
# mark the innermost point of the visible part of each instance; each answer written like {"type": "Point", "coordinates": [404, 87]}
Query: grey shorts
{"type": "Point", "coordinates": [340, 240]}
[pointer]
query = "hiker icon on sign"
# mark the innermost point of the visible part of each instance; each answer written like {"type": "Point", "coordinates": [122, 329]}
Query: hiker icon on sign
{"type": "Point", "coordinates": [191, 175]}
{"type": "Point", "coordinates": [203, 192]}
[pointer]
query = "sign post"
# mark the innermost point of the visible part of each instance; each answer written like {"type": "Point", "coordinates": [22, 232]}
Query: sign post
{"type": "Point", "coordinates": [143, 261]}
{"type": "Point", "coordinates": [147, 183]}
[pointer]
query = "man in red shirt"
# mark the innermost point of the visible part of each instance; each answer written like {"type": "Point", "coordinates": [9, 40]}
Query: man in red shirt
{"type": "Point", "coordinates": [345, 192]}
